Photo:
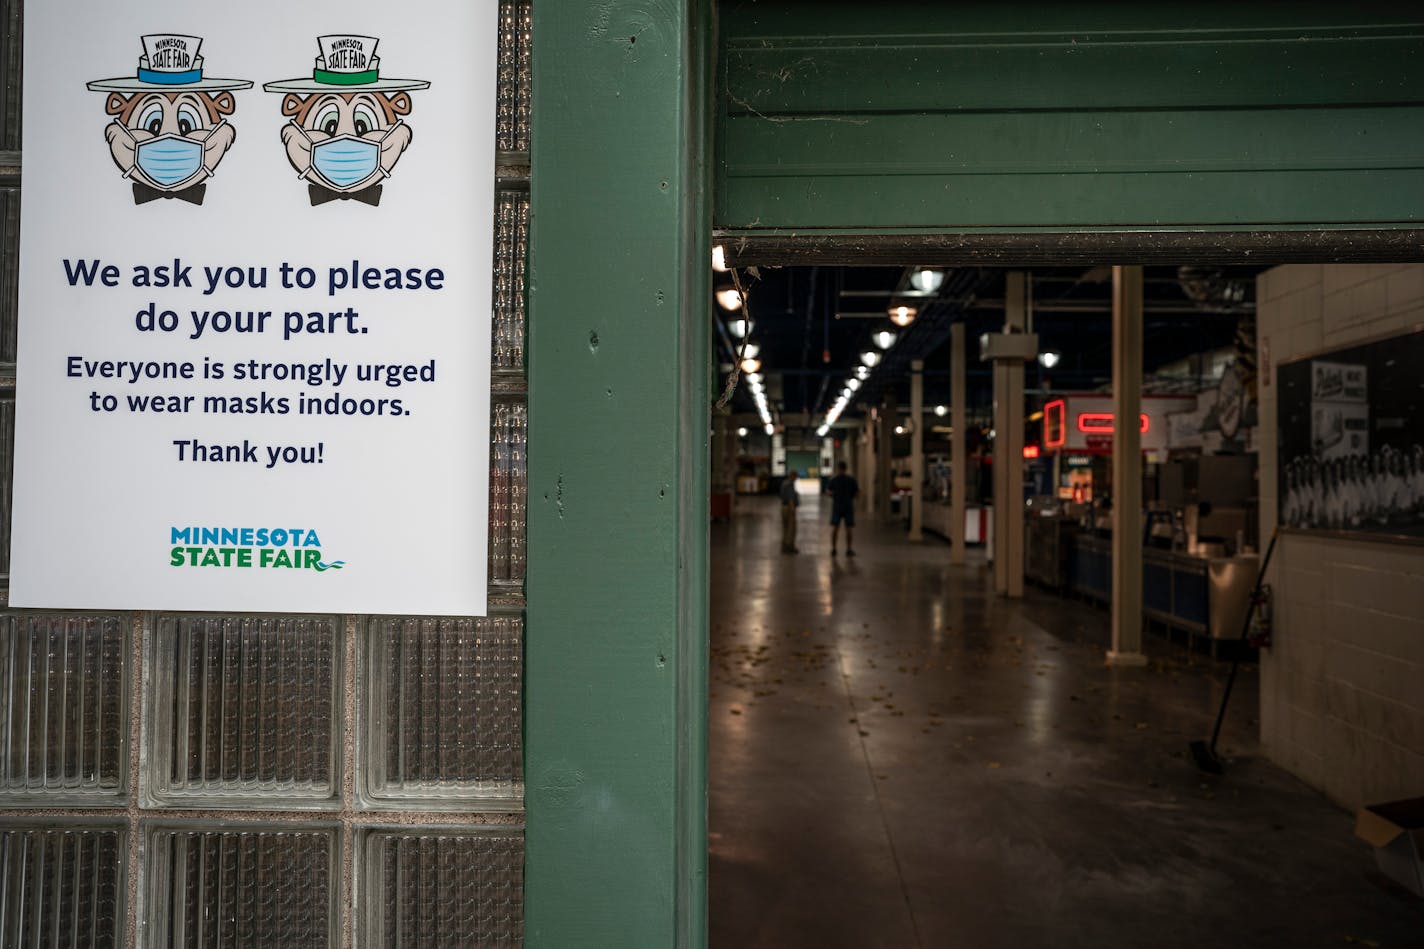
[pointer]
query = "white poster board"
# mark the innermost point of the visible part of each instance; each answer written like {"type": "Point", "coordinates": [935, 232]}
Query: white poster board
{"type": "Point", "coordinates": [253, 364]}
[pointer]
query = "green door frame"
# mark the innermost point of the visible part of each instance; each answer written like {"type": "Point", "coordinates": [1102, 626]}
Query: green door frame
{"type": "Point", "coordinates": [616, 662]}
{"type": "Point", "coordinates": [616, 649]}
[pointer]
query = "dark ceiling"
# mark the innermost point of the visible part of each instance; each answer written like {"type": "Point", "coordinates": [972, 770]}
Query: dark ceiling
{"type": "Point", "coordinates": [812, 323]}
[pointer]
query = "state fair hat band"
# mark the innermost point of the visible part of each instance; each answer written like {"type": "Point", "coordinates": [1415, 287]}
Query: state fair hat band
{"type": "Point", "coordinates": [348, 63]}
{"type": "Point", "coordinates": [170, 63]}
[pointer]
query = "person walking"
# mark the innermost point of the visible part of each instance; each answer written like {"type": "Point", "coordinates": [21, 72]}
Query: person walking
{"type": "Point", "coordinates": [842, 488]}
{"type": "Point", "coordinates": [789, 501]}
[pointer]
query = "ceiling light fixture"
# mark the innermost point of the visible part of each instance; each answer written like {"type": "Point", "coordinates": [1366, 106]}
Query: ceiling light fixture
{"type": "Point", "coordinates": [941, 410]}
{"type": "Point", "coordinates": [1049, 359]}
{"type": "Point", "coordinates": [852, 384]}
{"type": "Point", "coordinates": [729, 299]}
{"type": "Point", "coordinates": [770, 429]}
{"type": "Point", "coordinates": [751, 365]}
{"type": "Point", "coordinates": [742, 432]}
{"type": "Point", "coordinates": [903, 315]}
{"type": "Point", "coordinates": [719, 259]}
{"type": "Point", "coordinates": [737, 328]}
{"type": "Point", "coordinates": [862, 372]}
{"type": "Point", "coordinates": [870, 358]}
{"type": "Point", "coordinates": [926, 280]}
{"type": "Point", "coordinates": [884, 339]}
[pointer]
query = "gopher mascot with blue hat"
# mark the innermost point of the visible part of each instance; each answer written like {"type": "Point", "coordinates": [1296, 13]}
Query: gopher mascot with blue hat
{"type": "Point", "coordinates": [170, 127]}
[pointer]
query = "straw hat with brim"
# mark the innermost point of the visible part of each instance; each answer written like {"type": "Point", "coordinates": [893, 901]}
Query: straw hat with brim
{"type": "Point", "coordinates": [305, 86]}
{"type": "Point", "coordinates": [183, 74]}
{"type": "Point", "coordinates": [358, 73]}
{"type": "Point", "coordinates": [127, 84]}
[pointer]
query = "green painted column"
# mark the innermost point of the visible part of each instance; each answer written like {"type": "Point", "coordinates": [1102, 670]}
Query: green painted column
{"type": "Point", "coordinates": [616, 664]}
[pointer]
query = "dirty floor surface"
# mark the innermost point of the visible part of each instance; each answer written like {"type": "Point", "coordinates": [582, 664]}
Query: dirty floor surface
{"type": "Point", "coordinates": [900, 759]}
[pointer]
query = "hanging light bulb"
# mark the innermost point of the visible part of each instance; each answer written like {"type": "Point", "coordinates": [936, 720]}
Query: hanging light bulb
{"type": "Point", "coordinates": [926, 280]}
{"type": "Point", "coordinates": [862, 372]}
{"type": "Point", "coordinates": [737, 328]}
{"type": "Point", "coordinates": [751, 350]}
{"type": "Point", "coordinates": [719, 259]}
{"type": "Point", "coordinates": [903, 315]}
{"type": "Point", "coordinates": [870, 358]}
{"type": "Point", "coordinates": [742, 432]}
{"type": "Point", "coordinates": [754, 378]}
{"type": "Point", "coordinates": [770, 429]}
{"type": "Point", "coordinates": [899, 429]}
{"type": "Point", "coordinates": [941, 410]}
{"type": "Point", "coordinates": [729, 299]}
{"type": "Point", "coordinates": [751, 365]}
{"type": "Point", "coordinates": [1049, 359]}
{"type": "Point", "coordinates": [884, 339]}
{"type": "Point", "coordinates": [853, 384]}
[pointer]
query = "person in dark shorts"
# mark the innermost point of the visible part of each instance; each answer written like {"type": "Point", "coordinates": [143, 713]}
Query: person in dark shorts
{"type": "Point", "coordinates": [842, 488]}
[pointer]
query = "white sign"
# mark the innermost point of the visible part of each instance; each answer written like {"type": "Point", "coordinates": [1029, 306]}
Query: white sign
{"type": "Point", "coordinates": [255, 306]}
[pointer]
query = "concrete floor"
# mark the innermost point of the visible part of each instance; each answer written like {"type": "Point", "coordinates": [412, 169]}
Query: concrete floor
{"type": "Point", "coordinates": [901, 759]}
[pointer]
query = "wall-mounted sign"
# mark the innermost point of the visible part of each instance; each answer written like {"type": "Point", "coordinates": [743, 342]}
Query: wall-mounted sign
{"type": "Point", "coordinates": [1085, 422]}
{"type": "Point", "coordinates": [1350, 453]}
{"type": "Point", "coordinates": [254, 306]}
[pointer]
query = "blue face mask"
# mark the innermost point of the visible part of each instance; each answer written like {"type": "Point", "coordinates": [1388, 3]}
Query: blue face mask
{"type": "Point", "coordinates": [346, 161]}
{"type": "Point", "coordinates": [169, 160]}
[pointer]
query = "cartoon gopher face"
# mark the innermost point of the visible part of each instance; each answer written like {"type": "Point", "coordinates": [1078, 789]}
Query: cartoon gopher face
{"type": "Point", "coordinates": [345, 141]}
{"type": "Point", "coordinates": [169, 140]}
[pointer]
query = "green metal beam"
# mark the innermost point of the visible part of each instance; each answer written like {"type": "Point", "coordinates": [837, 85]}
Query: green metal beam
{"type": "Point", "coordinates": [615, 721]}
{"type": "Point", "coordinates": [953, 118]}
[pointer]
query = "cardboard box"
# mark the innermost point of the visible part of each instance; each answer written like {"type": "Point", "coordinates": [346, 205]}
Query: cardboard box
{"type": "Point", "coordinates": [1396, 831]}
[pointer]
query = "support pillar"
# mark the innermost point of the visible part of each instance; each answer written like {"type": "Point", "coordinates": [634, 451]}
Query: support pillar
{"type": "Point", "coordinates": [1127, 469]}
{"type": "Point", "coordinates": [867, 468]}
{"type": "Point", "coordinates": [1008, 448]}
{"type": "Point", "coordinates": [958, 454]}
{"type": "Point", "coordinates": [917, 447]}
{"type": "Point", "coordinates": [884, 471]}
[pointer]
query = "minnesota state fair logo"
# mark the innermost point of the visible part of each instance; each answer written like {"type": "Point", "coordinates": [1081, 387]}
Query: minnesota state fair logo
{"type": "Point", "coordinates": [291, 548]}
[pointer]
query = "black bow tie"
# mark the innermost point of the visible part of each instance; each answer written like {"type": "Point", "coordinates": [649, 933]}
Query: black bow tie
{"type": "Point", "coordinates": [320, 195]}
{"type": "Point", "coordinates": [144, 194]}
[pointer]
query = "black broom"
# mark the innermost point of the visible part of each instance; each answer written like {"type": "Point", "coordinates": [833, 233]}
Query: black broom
{"type": "Point", "coordinates": [1205, 754]}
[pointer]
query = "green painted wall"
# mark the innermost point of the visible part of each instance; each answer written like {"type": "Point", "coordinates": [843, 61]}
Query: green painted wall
{"type": "Point", "coordinates": [615, 727]}
{"type": "Point", "coordinates": [951, 117]}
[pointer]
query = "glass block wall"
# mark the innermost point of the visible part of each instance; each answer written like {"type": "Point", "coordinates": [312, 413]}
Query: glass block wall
{"type": "Point", "coordinates": [260, 780]}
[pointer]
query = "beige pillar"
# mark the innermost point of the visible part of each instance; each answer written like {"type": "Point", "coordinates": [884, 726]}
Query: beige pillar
{"type": "Point", "coordinates": [1127, 469]}
{"type": "Point", "coordinates": [917, 446]}
{"type": "Point", "coordinates": [866, 474]}
{"type": "Point", "coordinates": [958, 453]}
{"type": "Point", "coordinates": [1008, 448]}
{"type": "Point", "coordinates": [884, 471]}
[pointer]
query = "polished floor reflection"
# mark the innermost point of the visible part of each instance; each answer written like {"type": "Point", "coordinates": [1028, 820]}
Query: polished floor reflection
{"type": "Point", "coordinates": [898, 758]}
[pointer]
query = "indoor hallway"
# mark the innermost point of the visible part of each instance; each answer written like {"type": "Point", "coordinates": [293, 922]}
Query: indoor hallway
{"type": "Point", "coordinates": [899, 758]}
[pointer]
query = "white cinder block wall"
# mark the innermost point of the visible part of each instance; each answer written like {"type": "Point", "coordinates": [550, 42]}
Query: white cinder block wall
{"type": "Point", "coordinates": [1342, 688]}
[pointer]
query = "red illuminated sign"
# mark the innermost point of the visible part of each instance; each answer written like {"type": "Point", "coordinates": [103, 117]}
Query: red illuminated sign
{"type": "Point", "coordinates": [1101, 423]}
{"type": "Point", "coordinates": [1055, 432]}
{"type": "Point", "coordinates": [1030, 451]}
